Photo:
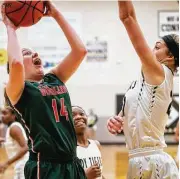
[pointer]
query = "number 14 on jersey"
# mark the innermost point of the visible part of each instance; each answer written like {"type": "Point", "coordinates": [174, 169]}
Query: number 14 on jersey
{"type": "Point", "coordinates": [63, 110]}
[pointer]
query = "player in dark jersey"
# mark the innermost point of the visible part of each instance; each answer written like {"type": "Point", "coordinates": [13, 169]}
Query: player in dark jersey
{"type": "Point", "coordinates": [44, 104]}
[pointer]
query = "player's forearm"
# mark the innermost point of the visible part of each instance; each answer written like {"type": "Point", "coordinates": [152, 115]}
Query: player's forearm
{"type": "Point", "coordinates": [72, 37]}
{"type": "Point", "coordinates": [18, 156]}
{"type": "Point", "coordinates": [13, 48]}
{"type": "Point", "coordinates": [126, 10]}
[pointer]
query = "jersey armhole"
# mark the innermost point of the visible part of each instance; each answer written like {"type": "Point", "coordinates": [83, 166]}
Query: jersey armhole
{"type": "Point", "coordinates": [98, 144]}
{"type": "Point", "coordinates": [160, 86]}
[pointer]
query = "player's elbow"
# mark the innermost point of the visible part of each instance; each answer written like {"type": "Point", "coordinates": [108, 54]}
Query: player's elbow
{"type": "Point", "coordinates": [16, 69]}
{"type": "Point", "coordinates": [82, 51]}
{"type": "Point", "coordinates": [126, 19]}
{"type": "Point", "coordinates": [17, 65]}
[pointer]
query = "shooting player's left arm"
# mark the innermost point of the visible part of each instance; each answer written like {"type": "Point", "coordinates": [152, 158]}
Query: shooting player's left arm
{"type": "Point", "coordinates": [65, 69]}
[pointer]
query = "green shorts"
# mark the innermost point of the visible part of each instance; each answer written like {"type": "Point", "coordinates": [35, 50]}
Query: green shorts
{"type": "Point", "coordinates": [37, 168]}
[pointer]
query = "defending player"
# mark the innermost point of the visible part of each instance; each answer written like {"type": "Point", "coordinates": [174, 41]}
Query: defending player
{"type": "Point", "coordinates": [147, 103]}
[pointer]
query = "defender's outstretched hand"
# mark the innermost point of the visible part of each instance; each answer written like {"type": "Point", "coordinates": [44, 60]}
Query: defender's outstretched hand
{"type": "Point", "coordinates": [115, 124]}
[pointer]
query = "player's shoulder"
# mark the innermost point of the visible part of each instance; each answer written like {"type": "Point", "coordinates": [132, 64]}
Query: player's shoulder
{"type": "Point", "coordinates": [16, 124]}
{"type": "Point", "coordinates": [15, 128]}
{"type": "Point", "coordinates": [51, 77]}
{"type": "Point", "coordinates": [169, 75]}
{"type": "Point", "coordinates": [167, 70]}
{"type": "Point", "coordinates": [96, 142]}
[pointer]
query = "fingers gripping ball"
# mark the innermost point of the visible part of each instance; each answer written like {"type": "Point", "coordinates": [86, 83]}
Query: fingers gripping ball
{"type": "Point", "coordinates": [24, 13]}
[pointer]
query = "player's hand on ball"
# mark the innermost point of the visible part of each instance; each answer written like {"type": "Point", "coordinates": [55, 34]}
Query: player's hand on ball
{"type": "Point", "coordinates": [115, 124]}
{"type": "Point", "coordinates": [51, 9]}
{"type": "Point", "coordinates": [93, 172]}
{"type": "Point", "coordinates": [6, 20]}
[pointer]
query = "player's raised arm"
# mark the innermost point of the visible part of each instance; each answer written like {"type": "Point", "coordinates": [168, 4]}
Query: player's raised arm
{"type": "Point", "coordinates": [151, 67]}
{"type": "Point", "coordinates": [15, 84]}
{"type": "Point", "coordinates": [78, 51]}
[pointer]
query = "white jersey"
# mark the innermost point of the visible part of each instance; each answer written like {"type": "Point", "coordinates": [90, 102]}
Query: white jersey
{"type": "Point", "coordinates": [145, 112]}
{"type": "Point", "coordinates": [146, 109]}
{"type": "Point", "coordinates": [12, 147]}
{"type": "Point", "coordinates": [90, 155]}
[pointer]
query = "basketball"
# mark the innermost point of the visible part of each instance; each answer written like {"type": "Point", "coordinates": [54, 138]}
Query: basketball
{"type": "Point", "coordinates": [24, 13]}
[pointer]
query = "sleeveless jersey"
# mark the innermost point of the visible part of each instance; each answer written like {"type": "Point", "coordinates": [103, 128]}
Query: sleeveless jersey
{"type": "Point", "coordinates": [12, 146]}
{"type": "Point", "coordinates": [46, 114]}
{"type": "Point", "coordinates": [90, 155]}
{"type": "Point", "coordinates": [145, 111]}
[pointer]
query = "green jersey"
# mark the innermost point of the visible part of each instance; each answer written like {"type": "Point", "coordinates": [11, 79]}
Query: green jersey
{"type": "Point", "coordinates": [46, 113]}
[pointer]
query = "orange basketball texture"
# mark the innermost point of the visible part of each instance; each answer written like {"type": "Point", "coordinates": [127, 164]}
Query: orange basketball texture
{"type": "Point", "coordinates": [24, 13]}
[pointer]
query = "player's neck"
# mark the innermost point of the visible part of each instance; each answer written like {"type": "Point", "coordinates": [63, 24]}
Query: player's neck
{"type": "Point", "coordinates": [36, 79]}
{"type": "Point", "coordinates": [32, 80]}
{"type": "Point", "coordinates": [82, 140]}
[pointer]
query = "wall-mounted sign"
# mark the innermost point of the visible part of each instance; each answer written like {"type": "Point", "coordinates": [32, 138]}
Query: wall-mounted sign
{"type": "Point", "coordinates": [168, 23]}
{"type": "Point", "coordinates": [97, 50]}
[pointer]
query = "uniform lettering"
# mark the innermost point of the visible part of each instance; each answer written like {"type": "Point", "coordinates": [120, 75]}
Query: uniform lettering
{"type": "Point", "coordinates": [83, 163]}
{"type": "Point", "coordinates": [49, 91]}
{"type": "Point", "coordinates": [87, 162]}
{"type": "Point", "coordinates": [90, 161]}
{"type": "Point", "coordinates": [94, 160]}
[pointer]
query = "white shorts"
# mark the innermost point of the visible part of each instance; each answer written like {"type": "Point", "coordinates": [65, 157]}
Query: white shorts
{"type": "Point", "coordinates": [151, 163]}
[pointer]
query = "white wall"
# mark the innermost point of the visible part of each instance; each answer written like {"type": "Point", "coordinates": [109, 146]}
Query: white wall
{"type": "Point", "coordinates": [94, 85]}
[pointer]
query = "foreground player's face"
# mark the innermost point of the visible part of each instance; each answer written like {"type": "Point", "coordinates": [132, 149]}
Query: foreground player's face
{"type": "Point", "coordinates": [7, 116]}
{"type": "Point", "coordinates": [161, 51]}
{"type": "Point", "coordinates": [32, 65]}
{"type": "Point", "coordinates": [80, 120]}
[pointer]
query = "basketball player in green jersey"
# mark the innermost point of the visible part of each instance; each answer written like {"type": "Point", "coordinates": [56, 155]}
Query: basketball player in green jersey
{"type": "Point", "coordinates": [44, 104]}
